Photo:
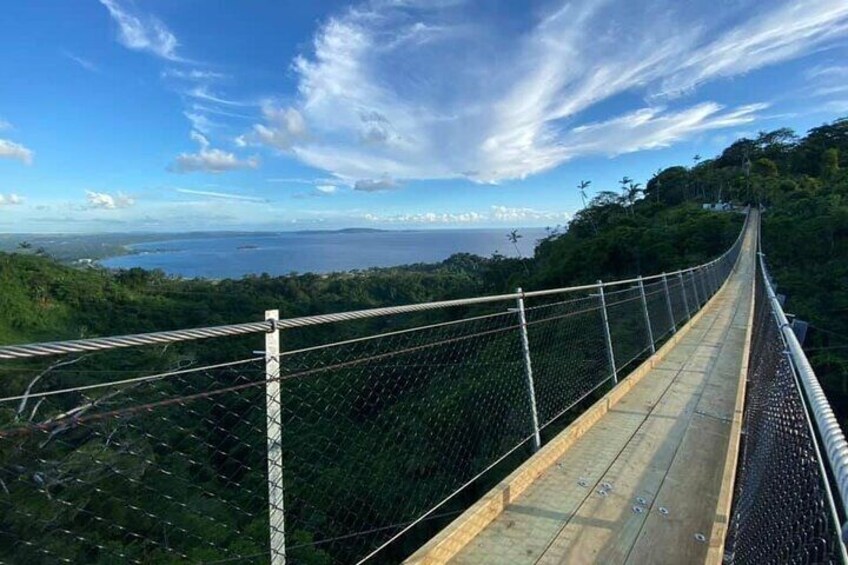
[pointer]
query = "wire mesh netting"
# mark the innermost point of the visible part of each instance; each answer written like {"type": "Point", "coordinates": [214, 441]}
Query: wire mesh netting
{"type": "Point", "coordinates": [628, 329]}
{"type": "Point", "coordinates": [679, 304]}
{"type": "Point", "coordinates": [657, 304]}
{"type": "Point", "coordinates": [160, 469]}
{"type": "Point", "coordinates": [782, 512]}
{"type": "Point", "coordinates": [569, 358]}
{"type": "Point", "coordinates": [162, 454]}
{"type": "Point", "coordinates": [420, 413]}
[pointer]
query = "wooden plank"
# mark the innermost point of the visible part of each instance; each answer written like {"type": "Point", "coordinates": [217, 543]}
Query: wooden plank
{"type": "Point", "coordinates": [697, 492]}
{"type": "Point", "coordinates": [690, 494]}
{"type": "Point", "coordinates": [605, 526]}
{"type": "Point", "coordinates": [528, 525]}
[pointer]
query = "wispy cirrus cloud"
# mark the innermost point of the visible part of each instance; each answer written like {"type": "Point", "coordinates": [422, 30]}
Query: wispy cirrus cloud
{"type": "Point", "coordinates": [84, 63]}
{"type": "Point", "coordinates": [221, 195]}
{"type": "Point", "coordinates": [142, 32]}
{"type": "Point", "coordinates": [382, 93]}
{"type": "Point", "coordinates": [193, 74]}
{"type": "Point", "coordinates": [209, 159]}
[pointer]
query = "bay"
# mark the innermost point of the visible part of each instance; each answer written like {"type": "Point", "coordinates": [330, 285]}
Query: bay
{"type": "Point", "coordinates": [233, 256]}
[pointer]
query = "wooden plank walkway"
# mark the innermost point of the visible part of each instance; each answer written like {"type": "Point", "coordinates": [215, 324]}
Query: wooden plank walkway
{"type": "Point", "coordinates": [646, 475]}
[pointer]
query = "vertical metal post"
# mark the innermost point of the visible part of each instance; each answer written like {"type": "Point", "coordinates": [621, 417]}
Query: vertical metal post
{"type": "Point", "coordinates": [607, 334]}
{"type": "Point", "coordinates": [647, 315]}
{"type": "Point", "coordinates": [685, 300]}
{"type": "Point", "coordinates": [695, 289]}
{"type": "Point", "coordinates": [668, 304]}
{"type": "Point", "coordinates": [528, 370]}
{"type": "Point", "coordinates": [704, 288]}
{"type": "Point", "coordinates": [707, 282]}
{"type": "Point", "coordinates": [275, 441]}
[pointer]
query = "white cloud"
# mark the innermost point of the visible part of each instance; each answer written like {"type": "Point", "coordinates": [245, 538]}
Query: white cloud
{"type": "Point", "coordinates": [106, 201]}
{"type": "Point", "coordinates": [82, 62]}
{"type": "Point", "coordinates": [327, 188]}
{"type": "Point", "coordinates": [382, 91]}
{"type": "Point", "coordinates": [4, 124]}
{"type": "Point", "coordinates": [193, 74]}
{"type": "Point", "coordinates": [652, 128]}
{"type": "Point", "coordinates": [142, 33]}
{"type": "Point", "coordinates": [788, 30]}
{"type": "Point", "coordinates": [427, 218]}
{"type": "Point", "coordinates": [202, 92]}
{"type": "Point", "coordinates": [210, 160]}
{"type": "Point", "coordinates": [282, 128]}
{"type": "Point", "coordinates": [12, 150]}
{"type": "Point", "coordinates": [496, 214]}
{"type": "Point", "coordinates": [376, 185]}
{"type": "Point", "coordinates": [508, 214]}
{"type": "Point", "coordinates": [10, 200]}
{"type": "Point", "coordinates": [200, 122]}
{"type": "Point", "coordinates": [221, 195]}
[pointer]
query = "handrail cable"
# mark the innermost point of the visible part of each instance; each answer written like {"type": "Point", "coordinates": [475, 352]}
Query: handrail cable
{"type": "Point", "coordinates": [115, 342]}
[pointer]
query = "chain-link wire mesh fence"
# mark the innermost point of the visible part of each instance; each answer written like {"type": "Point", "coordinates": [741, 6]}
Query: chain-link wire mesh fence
{"type": "Point", "coordinates": [783, 510]}
{"type": "Point", "coordinates": [322, 452]}
{"type": "Point", "coordinates": [158, 468]}
{"type": "Point", "coordinates": [566, 338]}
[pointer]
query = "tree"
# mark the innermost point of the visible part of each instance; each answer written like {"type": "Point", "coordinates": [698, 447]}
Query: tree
{"type": "Point", "coordinates": [658, 184]}
{"type": "Point", "coordinates": [584, 184]}
{"type": "Point", "coordinates": [631, 194]}
{"type": "Point", "coordinates": [830, 162]}
{"type": "Point", "coordinates": [513, 238]}
{"type": "Point", "coordinates": [765, 167]}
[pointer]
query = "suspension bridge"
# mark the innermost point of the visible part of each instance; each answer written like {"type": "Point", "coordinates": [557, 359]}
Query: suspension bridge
{"type": "Point", "coordinates": [670, 418]}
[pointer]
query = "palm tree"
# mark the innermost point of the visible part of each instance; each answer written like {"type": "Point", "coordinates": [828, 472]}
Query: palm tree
{"type": "Point", "coordinates": [513, 238]}
{"type": "Point", "coordinates": [631, 192]}
{"type": "Point", "coordinates": [584, 184]}
{"type": "Point", "coordinates": [659, 182]}
{"type": "Point", "coordinates": [699, 187]}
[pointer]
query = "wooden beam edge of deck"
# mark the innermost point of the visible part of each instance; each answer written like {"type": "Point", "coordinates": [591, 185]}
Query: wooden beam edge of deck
{"type": "Point", "coordinates": [721, 521]}
{"type": "Point", "coordinates": [450, 541]}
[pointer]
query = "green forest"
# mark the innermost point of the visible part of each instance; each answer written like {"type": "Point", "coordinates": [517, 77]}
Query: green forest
{"type": "Point", "coordinates": [193, 468]}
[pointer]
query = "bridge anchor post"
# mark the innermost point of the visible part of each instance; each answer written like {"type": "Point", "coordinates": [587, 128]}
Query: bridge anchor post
{"type": "Point", "coordinates": [528, 369]}
{"type": "Point", "coordinates": [607, 334]}
{"type": "Point", "coordinates": [274, 432]}
{"type": "Point", "coordinates": [647, 316]}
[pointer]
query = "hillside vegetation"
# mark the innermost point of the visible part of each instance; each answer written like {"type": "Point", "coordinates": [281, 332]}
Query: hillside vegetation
{"type": "Point", "coordinates": [634, 230]}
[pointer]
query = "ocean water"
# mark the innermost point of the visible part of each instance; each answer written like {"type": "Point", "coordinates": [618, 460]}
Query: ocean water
{"type": "Point", "coordinates": [233, 256]}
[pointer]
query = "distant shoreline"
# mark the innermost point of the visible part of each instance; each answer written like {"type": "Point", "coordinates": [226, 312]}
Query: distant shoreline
{"type": "Point", "coordinates": [91, 248]}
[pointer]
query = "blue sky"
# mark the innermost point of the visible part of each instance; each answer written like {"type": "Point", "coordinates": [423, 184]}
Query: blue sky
{"type": "Point", "coordinates": [187, 114]}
